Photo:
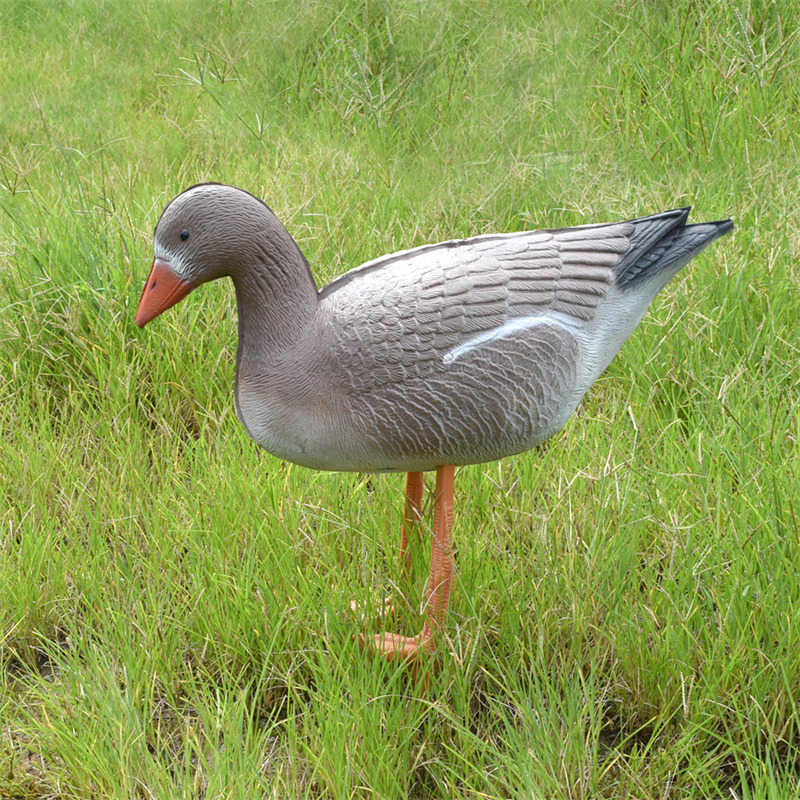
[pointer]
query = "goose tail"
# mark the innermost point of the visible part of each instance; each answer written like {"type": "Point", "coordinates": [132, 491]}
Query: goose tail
{"type": "Point", "coordinates": [661, 245]}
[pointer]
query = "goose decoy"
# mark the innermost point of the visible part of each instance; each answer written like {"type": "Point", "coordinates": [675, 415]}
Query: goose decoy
{"type": "Point", "coordinates": [447, 354]}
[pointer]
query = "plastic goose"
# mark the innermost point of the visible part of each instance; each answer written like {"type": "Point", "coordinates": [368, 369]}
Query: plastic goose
{"type": "Point", "coordinates": [454, 353]}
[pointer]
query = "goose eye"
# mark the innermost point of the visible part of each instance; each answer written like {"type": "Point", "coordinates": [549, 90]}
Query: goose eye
{"type": "Point", "coordinates": [184, 235]}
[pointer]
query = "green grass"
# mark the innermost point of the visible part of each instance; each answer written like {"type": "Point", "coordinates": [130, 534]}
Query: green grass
{"type": "Point", "coordinates": [173, 601]}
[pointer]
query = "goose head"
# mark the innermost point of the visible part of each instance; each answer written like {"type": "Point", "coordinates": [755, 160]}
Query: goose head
{"type": "Point", "coordinates": [207, 232]}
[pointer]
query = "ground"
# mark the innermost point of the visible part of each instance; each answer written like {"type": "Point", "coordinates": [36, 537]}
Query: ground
{"type": "Point", "coordinates": [174, 602]}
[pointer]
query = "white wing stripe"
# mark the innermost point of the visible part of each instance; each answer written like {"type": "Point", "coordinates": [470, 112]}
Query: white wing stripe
{"type": "Point", "coordinates": [508, 329]}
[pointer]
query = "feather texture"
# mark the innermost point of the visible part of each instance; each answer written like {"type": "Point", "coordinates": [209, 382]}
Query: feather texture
{"type": "Point", "coordinates": [452, 353]}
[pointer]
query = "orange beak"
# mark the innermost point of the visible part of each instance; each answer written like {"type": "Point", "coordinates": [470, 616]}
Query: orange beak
{"type": "Point", "coordinates": [163, 289]}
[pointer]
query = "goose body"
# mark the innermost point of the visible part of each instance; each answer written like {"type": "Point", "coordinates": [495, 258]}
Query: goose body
{"type": "Point", "coordinates": [455, 353]}
{"type": "Point", "coordinates": [447, 354]}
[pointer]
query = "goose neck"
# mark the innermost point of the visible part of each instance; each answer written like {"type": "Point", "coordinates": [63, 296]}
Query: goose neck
{"type": "Point", "coordinates": [276, 299]}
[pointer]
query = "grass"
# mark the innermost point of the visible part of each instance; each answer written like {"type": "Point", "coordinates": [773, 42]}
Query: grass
{"type": "Point", "coordinates": [173, 601]}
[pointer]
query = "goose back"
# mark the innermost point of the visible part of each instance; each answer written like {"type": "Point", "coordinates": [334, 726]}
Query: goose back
{"type": "Point", "coordinates": [465, 351]}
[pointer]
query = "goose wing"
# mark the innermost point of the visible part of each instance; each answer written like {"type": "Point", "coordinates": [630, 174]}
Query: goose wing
{"type": "Point", "coordinates": [407, 315]}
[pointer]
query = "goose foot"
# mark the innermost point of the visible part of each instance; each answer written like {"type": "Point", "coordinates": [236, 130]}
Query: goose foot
{"type": "Point", "coordinates": [394, 647]}
{"type": "Point", "coordinates": [413, 650]}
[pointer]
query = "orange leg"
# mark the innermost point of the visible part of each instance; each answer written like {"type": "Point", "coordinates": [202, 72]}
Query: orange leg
{"type": "Point", "coordinates": [407, 647]}
{"type": "Point", "coordinates": [415, 486]}
{"type": "Point", "coordinates": [412, 514]}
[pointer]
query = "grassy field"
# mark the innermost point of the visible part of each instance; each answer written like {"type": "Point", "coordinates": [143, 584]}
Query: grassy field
{"type": "Point", "coordinates": [173, 601]}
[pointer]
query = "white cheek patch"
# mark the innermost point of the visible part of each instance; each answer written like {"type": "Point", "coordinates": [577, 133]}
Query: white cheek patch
{"type": "Point", "coordinates": [175, 261]}
{"type": "Point", "coordinates": [509, 329]}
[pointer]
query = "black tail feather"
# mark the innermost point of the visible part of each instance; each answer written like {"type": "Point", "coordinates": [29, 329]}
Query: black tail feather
{"type": "Point", "coordinates": [664, 243]}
